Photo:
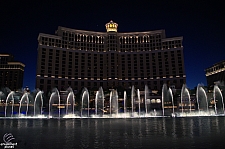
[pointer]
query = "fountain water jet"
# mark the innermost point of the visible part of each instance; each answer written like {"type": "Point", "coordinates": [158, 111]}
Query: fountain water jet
{"type": "Point", "coordinates": [201, 99]}
{"type": "Point", "coordinates": [54, 93]}
{"type": "Point", "coordinates": [218, 100]}
{"type": "Point", "coordinates": [139, 102]}
{"type": "Point", "coordinates": [70, 100]}
{"type": "Point", "coordinates": [85, 102]}
{"type": "Point", "coordinates": [96, 103]}
{"type": "Point", "coordinates": [24, 97]}
{"type": "Point", "coordinates": [1, 94]}
{"type": "Point", "coordinates": [185, 98]}
{"type": "Point", "coordinates": [164, 92]}
{"type": "Point", "coordinates": [125, 102]}
{"type": "Point", "coordinates": [146, 98]}
{"type": "Point", "coordinates": [6, 103]}
{"type": "Point", "coordinates": [167, 97]}
{"type": "Point", "coordinates": [132, 99]}
{"type": "Point", "coordinates": [114, 102]}
{"type": "Point", "coordinates": [99, 102]}
{"type": "Point", "coordinates": [38, 96]}
{"type": "Point", "coordinates": [171, 95]}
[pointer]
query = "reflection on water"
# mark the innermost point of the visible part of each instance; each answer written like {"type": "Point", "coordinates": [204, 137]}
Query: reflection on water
{"type": "Point", "coordinates": [204, 132]}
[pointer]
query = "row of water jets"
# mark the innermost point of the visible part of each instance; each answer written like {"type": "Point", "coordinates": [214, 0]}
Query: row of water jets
{"type": "Point", "coordinates": [202, 101]}
{"type": "Point", "coordinates": [113, 105]}
{"type": "Point", "coordinates": [24, 101]}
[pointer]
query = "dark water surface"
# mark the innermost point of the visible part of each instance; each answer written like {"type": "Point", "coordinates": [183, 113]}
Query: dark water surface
{"type": "Point", "coordinates": [191, 132]}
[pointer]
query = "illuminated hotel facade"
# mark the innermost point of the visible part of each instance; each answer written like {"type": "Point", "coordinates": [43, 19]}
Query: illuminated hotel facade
{"type": "Point", "coordinates": [11, 72]}
{"type": "Point", "coordinates": [215, 74]}
{"type": "Point", "coordinates": [79, 58]}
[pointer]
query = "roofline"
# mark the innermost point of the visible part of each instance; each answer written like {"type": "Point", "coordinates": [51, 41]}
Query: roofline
{"type": "Point", "coordinates": [105, 33]}
{"type": "Point", "coordinates": [172, 38]}
{"type": "Point", "coordinates": [48, 35]}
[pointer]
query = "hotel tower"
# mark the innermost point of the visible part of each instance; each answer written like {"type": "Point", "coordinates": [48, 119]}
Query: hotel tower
{"type": "Point", "coordinates": [11, 72]}
{"type": "Point", "coordinates": [80, 58]}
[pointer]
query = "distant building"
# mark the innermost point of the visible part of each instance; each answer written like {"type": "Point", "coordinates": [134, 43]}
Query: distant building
{"type": "Point", "coordinates": [79, 58]}
{"type": "Point", "coordinates": [215, 74]}
{"type": "Point", "coordinates": [11, 72]}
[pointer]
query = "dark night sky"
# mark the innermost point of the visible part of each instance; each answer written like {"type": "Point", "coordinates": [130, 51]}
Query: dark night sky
{"type": "Point", "coordinates": [201, 24]}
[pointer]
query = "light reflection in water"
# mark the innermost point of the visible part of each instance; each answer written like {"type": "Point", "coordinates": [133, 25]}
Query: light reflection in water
{"type": "Point", "coordinates": [174, 129]}
{"type": "Point", "coordinates": [183, 127]}
{"type": "Point", "coordinates": [164, 127]}
{"type": "Point", "coordinates": [191, 125]}
{"type": "Point", "coordinates": [199, 126]}
{"type": "Point", "coordinates": [206, 132]}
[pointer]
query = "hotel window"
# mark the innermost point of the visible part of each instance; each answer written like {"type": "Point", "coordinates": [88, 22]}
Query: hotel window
{"type": "Point", "coordinates": [49, 82]}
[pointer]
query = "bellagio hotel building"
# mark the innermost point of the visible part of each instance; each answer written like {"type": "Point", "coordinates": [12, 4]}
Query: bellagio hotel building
{"type": "Point", "coordinates": [78, 58]}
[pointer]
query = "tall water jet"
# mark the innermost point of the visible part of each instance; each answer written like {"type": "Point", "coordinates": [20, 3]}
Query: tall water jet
{"type": "Point", "coordinates": [24, 101]}
{"type": "Point", "coordinates": [85, 102]}
{"type": "Point", "coordinates": [132, 100]}
{"type": "Point", "coordinates": [125, 102]}
{"type": "Point", "coordinates": [70, 100]}
{"type": "Point", "coordinates": [38, 105]}
{"type": "Point", "coordinates": [167, 99]}
{"type": "Point", "coordinates": [10, 95]}
{"type": "Point", "coordinates": [110, 101]}
{"type": "Point", "coordinates": [171, 95]}
{"type": "Point", "coordinates": [1, 94]}
{"type": "Point", "coordinates": [182, 99]}
{"type": "Point", "coordinates": [59, 102]}
{"type": "Point", "coordinates": [96, 103]}
{"type": "Point", "coordinates": [139, 102]}
{"type": "Point", "coordinates": [50, 103]}
{"type": "Point", "coordinates": [114, 102]}
{"type": "Point", "coordinates": [164, 97]}
{"type": "Point", "coordinates": [54, 96]}
{"type": "Point", "coordinates": [185, 99]}
{"type": "Point", "coordinates": [99, 102]}
{"type": "Point", "coordinates": [202, 99]}
{"type": "Point", "coordinates": [218, 100]}
{"type": "Point", "coordinates": [146, 99]}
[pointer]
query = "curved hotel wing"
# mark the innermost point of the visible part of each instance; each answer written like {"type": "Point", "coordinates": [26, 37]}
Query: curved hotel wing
{"type": "Point", "coordinates": [79, 58]}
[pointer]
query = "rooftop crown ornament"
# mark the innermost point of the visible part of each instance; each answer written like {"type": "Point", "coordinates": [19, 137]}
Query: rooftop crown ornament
{"type": "Point", "coordinates": [111, 26]}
